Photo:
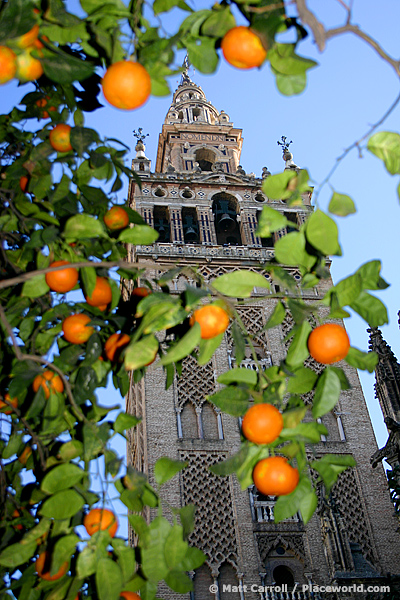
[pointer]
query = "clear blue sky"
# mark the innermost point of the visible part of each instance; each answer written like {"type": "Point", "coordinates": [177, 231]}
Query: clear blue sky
{"type": "Point", "coordinates": [350, 90]}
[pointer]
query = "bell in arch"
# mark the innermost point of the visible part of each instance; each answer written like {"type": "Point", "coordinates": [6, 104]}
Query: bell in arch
{"type": "Point", "coordinates": [163, 232]}
{"type": "Point", "coordinates": [226, 224]}
{"type": "Point", "coordinates": [191, 230]}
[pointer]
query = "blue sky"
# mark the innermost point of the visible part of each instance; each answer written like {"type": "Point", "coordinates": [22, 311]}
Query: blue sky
{"type": "Point", "coordinates": [350, 90]}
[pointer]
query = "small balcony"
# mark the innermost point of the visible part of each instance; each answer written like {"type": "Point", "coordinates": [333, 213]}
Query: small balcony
{"type": "Point", "coordinates": [263, 512]}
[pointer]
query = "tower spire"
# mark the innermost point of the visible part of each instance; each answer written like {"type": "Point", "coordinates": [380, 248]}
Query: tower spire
{"type": "Point", "coordinates": [387, 376]}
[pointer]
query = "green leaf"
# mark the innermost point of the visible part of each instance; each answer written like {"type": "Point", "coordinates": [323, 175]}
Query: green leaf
{"type": "Point", "coordinates": [187, 514]}
{"type": "Point", "coordinates": [17, 554]}
{"type": "Point", "coordinates": [61, 478]}
{"type": "Point", "coordinates": [277, 316]}
{"type": "Point", "coordinates": [290, 85]}
{"type": "Point", "coordinates": [138, 234]}
{"type": "Point", "coordinates": [232, 400]}
{"type": "Point", "coordinates": [160, 6]}
{"type": "Point", "coordinates": [371, 309]}
{"type": "Point", "coordinates": [362, 360]}
{"type": "Point", "coordinates": [370, 276]}
{"type": "Point", "coordinates": [238, 375]}
{"type": "Point", "coordinates": [165, 468]}
{"type": "Point", "coordinates": [331, 465]}
{"type": "Point", "coordinates": [154, 565]}
{"type": "Point", "coordinates": [35, 287]}
{"type": "Point", "coordinates": [327, 393]}
{"type": "Point", "coordinates": [322, 233]}
{"type": "Point", "coordinates": [71, 450]}
{"type": "Point", "coordinates": [184, 347]}
{"type": "Point", "coordinates": [125, 558]}
{"type": "Point", "coordinates": [219, 22]}
{"type": "Point", "coordinates": [87, 563]}
{"type": "Point", "coordinates": [202, 53]}
{"type": "Point", "coordinates": [242, 463]}
{"type": "Point", "coordinates": [63, 550]}
{"type": "Point", "coordinates": [293, 417]}
{"type": "Point", "coordinates": [298, 350]}
{"type": "Point", "coordinates": [62, 505]}
{"type": "Point", "coordinates": [341, 205]}
{"type": "Point", "coordinates": [82, 138]}
{"type": "Point", "coordinates": [83, 226]}
{"type": "Point", "coordinates": [125, 421]}
{"type": "Point", "coordinates": [304, 432]}
{"type": "Point", "coordinates": [63, 68]}
{"type": "Point", "coordinates": [289, 505]}
{"type": "Point", "coordinates": [347, 290]}
{"type": "Point", "coordinates": [179, 582]}
{"type": "Point", "coordinates": [108, 579]}
{"type": "Point", "coordinates": [207, 348]}
{"type": "Point", "coordinates": [270, 220]}
{"type": "Point", "coordinates": [141, 353]}
{"type": "Point", "coordinates": [240, 283]}
{"type": "Point", "coordinates": [290, 249]}
{"type": "Point", "coordinates": [276, 186]}
{"type": "Point", "coordinates": [303, 381]}
{"type": "Point", "coordinates": [386, 146]}
{"type": "Point", "coordinates": [283, 59]}
{"type": "Point", "coordinates": [239, 342]}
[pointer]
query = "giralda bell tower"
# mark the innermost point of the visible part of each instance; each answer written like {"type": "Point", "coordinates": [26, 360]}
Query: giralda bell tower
{"type": "Point", "coordinates": [205, 208]}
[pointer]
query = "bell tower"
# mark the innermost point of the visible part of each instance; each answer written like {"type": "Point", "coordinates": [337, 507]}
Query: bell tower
{"type": "Point", "coordinates": [205, 208]}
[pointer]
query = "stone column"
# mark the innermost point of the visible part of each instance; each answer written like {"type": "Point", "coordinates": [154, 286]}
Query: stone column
{"type": "Point", "coordinates": [249, 226]}
{"type": "Point", "coordinates": [176, 225]}
{"type": "Point", "coordinates": [176, 159]}
{"type": "Point", "coordinates": [205, 219]}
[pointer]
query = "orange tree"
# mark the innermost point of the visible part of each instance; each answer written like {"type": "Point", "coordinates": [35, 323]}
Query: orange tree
{"type": "Point", "coordinates": [53, 433]}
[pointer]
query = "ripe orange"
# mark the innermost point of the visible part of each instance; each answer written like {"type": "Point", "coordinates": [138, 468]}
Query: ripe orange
{"type": "Point", "coordinates": [63, 280]}
{"type": "Point", "coordinates": [8, 64]}
{"type": "Point", "coordinates": [60, 137]}
{"type": "Point", "coordinates": [126, 85]}
{"type": "Point", "coordinates": [141, 292]}
{"type": "Point", "coordinates": [274, 476]}
{"type": "Point", "coordinates": [101, 294]}
{"type": "Point", "coordinates": [262, 423]}
{"type": "Point", "coordinates": [130, 596]}
{"type": "Point", "coordinates": [213, 320]}
{"type": "Point", "coordinates": [39, 44]}
{"type": "Point", "coordinates": [76, 330]}
{"type": "Point", "coordinates": [115, 345]}
{"type": "Point", "coordinates": [23, 182]}
{"type": "Point", "coordinates": [41, 103]}
{"type": "Point", "coordinates": [116, 218]}
{"type": "Point", "coordinates": [49, 381]}
{"type": "Point", "coordinates": [101, 518]}
{"type": "Point", "coordinates": [28, 67]}
{"type": "Point", "coordinates": [328, 343]}
{"type": "Point", "coordinates": [29, 38]}
{"type": "Point", "coordinates": [7, 409]}
{"type": "Point", "coordinates": [242, 48]}
{"type": "Point", "coordinates": [102, 307]}
{"type": "Point", "coordinates": [43, 565]}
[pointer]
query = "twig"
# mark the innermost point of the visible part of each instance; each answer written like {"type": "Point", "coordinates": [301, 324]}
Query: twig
{"type": "Point", "coordinates": [308, 18]}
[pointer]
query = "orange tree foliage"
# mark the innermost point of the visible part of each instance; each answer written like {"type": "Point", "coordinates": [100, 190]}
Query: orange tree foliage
{"type": "Point", "coordinates": [49, 444]}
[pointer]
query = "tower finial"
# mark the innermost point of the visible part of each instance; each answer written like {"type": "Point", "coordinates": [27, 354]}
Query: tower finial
{"type": "Point", "coordinates": [285, 145]}
{"type": "Point", "coordinates": [185, 74]}
{"type": "Point", "coordinates": [139, 135]}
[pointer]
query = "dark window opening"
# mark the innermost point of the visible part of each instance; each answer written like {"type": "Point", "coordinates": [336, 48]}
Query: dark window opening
{"type": "Point", "coordinates": [141, 167]}
{"type": "Point", "coordinates": [190, 225]}
{"type": "Point", "coordinates": [205, 158]}
{"type": "Point", "coordinates": [180, 115]}
{"type": "Point", "coordinates": [225, 212]}
{"type": "Point", "coordinates": [196, 113]}
{"type": "Point", "coordinates": [266, 242]}
{"type": "Point", "coordinates": [283, 575]}
{"type": "Point", "coordinates": [161, 223]}
{"type": "Point", "coordinates": [292, 217]}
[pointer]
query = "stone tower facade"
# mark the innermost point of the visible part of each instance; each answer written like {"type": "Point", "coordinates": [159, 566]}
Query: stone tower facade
{"type": "Point", "coordinates": [205, 208]}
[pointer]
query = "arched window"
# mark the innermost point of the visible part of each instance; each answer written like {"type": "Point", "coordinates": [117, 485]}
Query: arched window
{"type": "Point", "coordinates": [266, 242]}
{"type": "Point", "coordinates": [225, 212]}
{"type": "Point", "coordinates": [209, 421]}
{"type": "Point", "coordinates": [206, 158]}
{"type": "Point", "coordinates": [161, 223]}
{"type": "Point", "coordinates": [227, 576]}
{"type": "Point", "coordinates": [189, 421]}
{"type": "Point", "coordinates": [190, 224]}
{"type": "Point", "coordinates": [282, 575]}
{"type": "Point", "coordinates": [201, 583]}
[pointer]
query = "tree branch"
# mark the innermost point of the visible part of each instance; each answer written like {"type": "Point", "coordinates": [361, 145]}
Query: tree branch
{"type": "Point", "coordinates": [308, 18]}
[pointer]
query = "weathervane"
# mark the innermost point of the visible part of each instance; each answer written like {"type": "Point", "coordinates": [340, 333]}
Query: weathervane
{"type": "Point", "coordinates": [185, 74]}
{"type": "Point", "coordinates": [285, 145]}
{"type": "Point", "coordinates": [139, 135]}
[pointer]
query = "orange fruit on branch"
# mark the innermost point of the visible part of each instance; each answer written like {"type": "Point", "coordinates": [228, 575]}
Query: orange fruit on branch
{"type": "Point", "coordinates": [141, 292]}
{"type": "Point", "coordinates": [262, 423]}
{"type": "Point", "coordinates": [25, 454]}
{"type": "Point", "coordinates": [28, 67]}
{"type": "Point", "coordinates": [115, 345]}
{"type": "Point", "coordinates": [5, 408]}
{"type": "Point", "coordinates": [126, 85]}
{"type": "Point", "coordinates": [41, 103]}
{"type": "Point", "coordinates": [116, 218]}
{"type": "Point", "coordinates": [76, 330]}
{"type": "Point", "coordinates": [130, 596]}
{"type": "Point", "coordinates": [328, 343]}
{"type": "Point", "coordinates": [101, 519]}
{"type": "Point", "coordinates": [242, 48]}
{"type": "Point", "coordinates": [43, 566]}
{"type": "Point", "coordinates": [23, 182]}
{"type": "Point", "coordinates": [102, 294]}
{"type": "Point", "coordinates": [49, 381]}
{"type": "Point", "coordinates": [8, 64]}
{"type": "Point", "coordinates": [274, 476]}
{"type": "Point", "coordinates": [212, 319]}
{"type": "Point", "coordinates": [63, 280]}
{"type": "Point", "coordinates": [60, 138]}
{"type": "Point", "coordinates": [28, 38]}
{"type": "Point", "coordinates": [16, 515]}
